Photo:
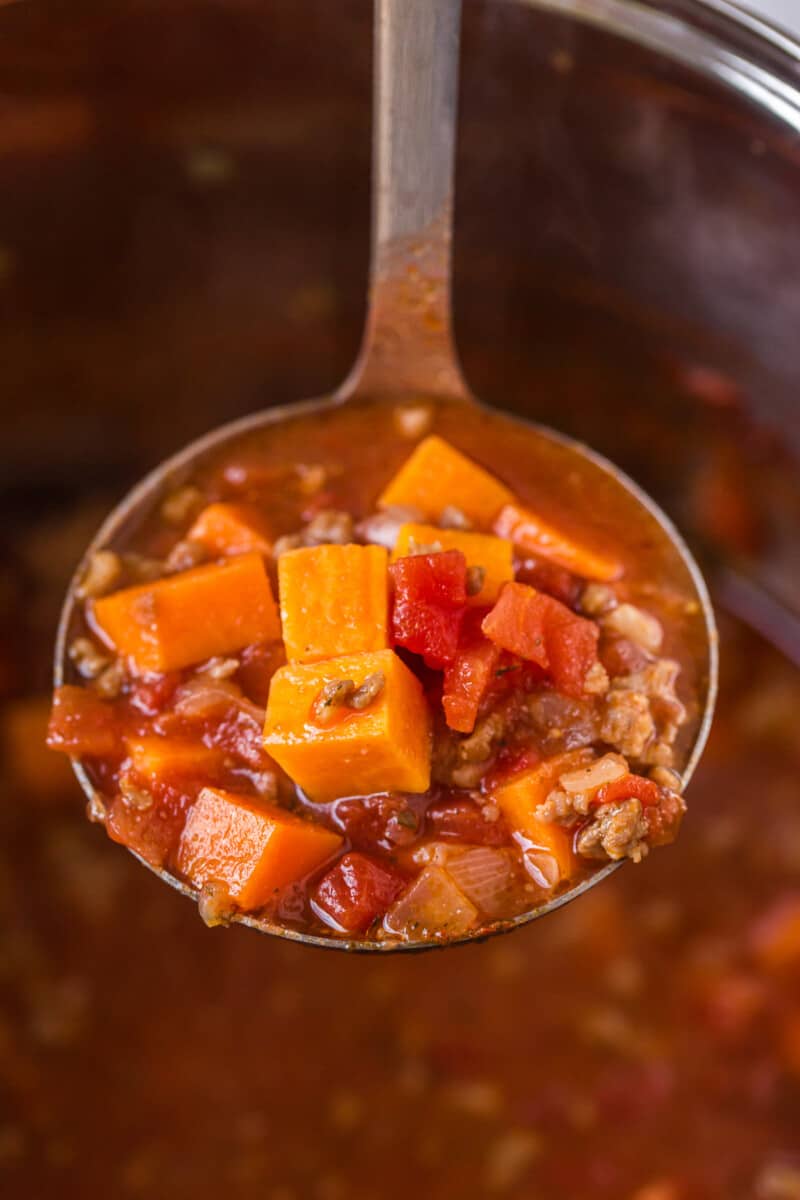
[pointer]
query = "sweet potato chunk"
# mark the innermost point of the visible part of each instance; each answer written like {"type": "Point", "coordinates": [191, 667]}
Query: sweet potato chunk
{"type": "Point", "coordinates": [437, 476]}
{"type": "Point", "coordinates": [531, 532]}
{"type": "Point", "coordinates": [493, 554]}
{"type": "Point", "coordinates": [162, 758]}
{"type": "Point", "coordinates": [253, 849]}
{"type": "Point", "coordinates": [383, 747]}
{"type": "Point", "coordinates": [228, 529]}
{"type": "Point", "coordinates": [547, 846]}
{"type": "Point", "coordinates": [334, 601]}
{"type": "Point", "coordinates": [185, 618]}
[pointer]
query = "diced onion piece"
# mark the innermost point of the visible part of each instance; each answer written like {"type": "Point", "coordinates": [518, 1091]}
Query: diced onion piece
{"type": "Point", "coordinates": [587, 779]}
{"type": "Point", "coordinates": [383, 528]}
{"type": "Point", "coordinates": [431, 905]}
{"type": "Point", "coordinates": [634, 623]}
{"type": "Point", "coordinates": [542, 866]}
{"type": "Point", "coordinates": [484, 876]}
{"type": "Point", "coordinates": [203, 695]}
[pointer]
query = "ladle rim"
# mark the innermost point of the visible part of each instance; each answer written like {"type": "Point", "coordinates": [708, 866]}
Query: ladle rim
{"type": "Point", "coordinates": [169, 472]}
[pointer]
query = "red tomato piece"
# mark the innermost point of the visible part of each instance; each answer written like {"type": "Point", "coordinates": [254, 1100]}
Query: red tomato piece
{"type": "Point", "coordinates": [376, 822]}
{"type": "Point", "coordinates": [544, 631]}
{"type": "Point", "coordinates": [571, 647]}
{"type": "Point", "coordinates": [628, 788]}
{"type": "Point", "coordinates": [517, 622]}
{"type": "Point", "coordinates": [152, 693]}
{"type": "Point", "coordinates": [462, 821]}
{"type": "Point", "coordinates": [259, 663]}
{"type": "Point", "coordinates": [83, 725]}
{"type": "Point", "coordinates": [357, 890]}
{"type": "Point", "coordinates": [621, 656]}
{"type": "Point", "coordinates": [548, 577]}
{"type": "Point", "coordinates": [468, 679]}
{"type": "Point", "coordinates": [509, 762]}
{"type": "Point", "coordinates": [430, 599]}
{"type": "Point", "coordinates": [152, 832]}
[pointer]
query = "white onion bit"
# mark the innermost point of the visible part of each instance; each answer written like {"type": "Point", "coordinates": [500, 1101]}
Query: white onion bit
{"type": "Point", "coordinates": [587, 779]}
{"type": "Point", "coordinates": [631, 622]}
{"type": "Point", "coordinates": [484, 876]}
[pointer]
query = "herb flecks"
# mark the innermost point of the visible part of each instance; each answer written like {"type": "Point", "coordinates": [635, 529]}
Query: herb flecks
{"type": "Point", "coordinates": [476, 578]}
{"type": "Point", "coordinates": [338, 694]}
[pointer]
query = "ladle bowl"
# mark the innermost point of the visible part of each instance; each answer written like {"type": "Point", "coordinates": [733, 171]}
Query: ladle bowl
{"type": "Point", "coordinates": [407, 355]}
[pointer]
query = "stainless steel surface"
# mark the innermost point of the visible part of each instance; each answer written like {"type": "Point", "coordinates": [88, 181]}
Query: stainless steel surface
{"type": "Point", "coordinates": [408, 342]}
{"type": "Point", "coordinates": [416, 94]}
{"type": "Point", "coordinates": [408, 345]}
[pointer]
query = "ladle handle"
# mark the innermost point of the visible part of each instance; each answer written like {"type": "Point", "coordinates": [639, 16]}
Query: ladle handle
{"type": "Point", "coordinates": [408, 345]}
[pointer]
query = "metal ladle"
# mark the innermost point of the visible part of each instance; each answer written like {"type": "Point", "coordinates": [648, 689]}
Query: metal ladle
{"type": "Point", "coordinates": [408, 349]}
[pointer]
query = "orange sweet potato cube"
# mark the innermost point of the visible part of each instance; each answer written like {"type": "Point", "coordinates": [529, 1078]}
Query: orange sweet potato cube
{"type": "Point", "coordinates": [334, 600]}
{"type": "Point", "coordinates": [384, 747]}
{"type": "Point", "coordinates": [531, 532]}
{"type": "Point", "coordinates": [253, 849]}
{"type": "Point", "coordinates": [547, 846]}
{"type": "Point", "coordinates": [168, 757]}
{"type": "Point", "coordinates": [494, 554]}
{"type": "Point", "coordinates": [437, 475]}
{"type": "Point", "coordinates": [228, 529]}
{"type": "Point", "coordinates": [186, 618]}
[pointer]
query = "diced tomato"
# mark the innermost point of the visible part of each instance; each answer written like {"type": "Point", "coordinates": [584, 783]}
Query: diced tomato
{"type": "Point", "coordinates": [628, 788]}
{"type": "Point", "coordinates": [241, 736]}
{"type": "Point", "coordinates": [151, 693]}
{"type": "Point", "coordinates": [514, 675]}
{"type": "Point", "coordinates": [152, 832]}
{"type": "Point", "coordinates": [439, 579]}
{"type": "Point", "coordinates": [548, 577]}
{"type": "Point", "coordinates": [544, 631]}
{"type": "Point", "coordinates": [468, 679]}
{"type": "Point", "coordinates": [357, 890]}
{"type": "Point", "coordinates": [571, 647]}
{"type": "Point", "coordinates": [83, 725]}
{"type": "Point", "coordinates": [663, 819]}
{"type": "Point", "coordinates": [462, 821]}
{"type": "Point", "coordinates": [509, 762]}
{"type": "Point", "coordinates": [376, 822]}
{"type": "Point", "coordinates": [517, 622]}
{"type": "Point", "coordinates": [430, 600]}
{"type": "Point", "coordinates": [621, 656]}
{"type": "Point", "coordinates": [259, 664]}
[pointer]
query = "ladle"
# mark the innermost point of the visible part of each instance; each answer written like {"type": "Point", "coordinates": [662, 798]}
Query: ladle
{"type": "Point", "coordinates": [408, 349]}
